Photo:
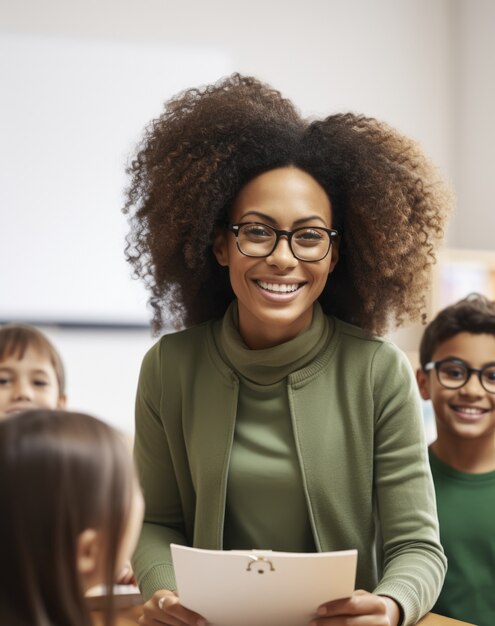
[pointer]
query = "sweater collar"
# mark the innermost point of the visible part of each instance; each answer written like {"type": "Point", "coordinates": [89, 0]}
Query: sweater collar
{"type": "Point", "coordinates": [271, 365]}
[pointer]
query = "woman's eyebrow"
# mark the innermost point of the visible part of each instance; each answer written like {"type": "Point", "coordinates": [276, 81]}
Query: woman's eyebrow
{"type": "Point", "coordinates": [262, 216]}
{"type": "Point", "coordinates": [309, 218]}
{"type": "Point", "coordinates": [268, 218]}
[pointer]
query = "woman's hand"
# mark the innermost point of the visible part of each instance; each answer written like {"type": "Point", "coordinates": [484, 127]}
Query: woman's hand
{"type": "Point", "coordinates": [164, 608]}
{"type": "Point", "coordinates": [361, 609]}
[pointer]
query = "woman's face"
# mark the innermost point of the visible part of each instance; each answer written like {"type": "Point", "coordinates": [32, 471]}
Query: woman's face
{"type": "Point", "coordinates": [276, 293]}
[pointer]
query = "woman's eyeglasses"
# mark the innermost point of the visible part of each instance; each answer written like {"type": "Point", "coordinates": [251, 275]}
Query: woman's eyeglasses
{"type": "Point", "coordinates": [455, 373]}
{"type": "Point", "coordinates": [307, 243]}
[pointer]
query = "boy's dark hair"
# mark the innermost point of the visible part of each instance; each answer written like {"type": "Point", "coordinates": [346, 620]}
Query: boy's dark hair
{"type": "Point", "coordinates": [474, 314]}
{"type": "Point", "coordinates": [15, 339]}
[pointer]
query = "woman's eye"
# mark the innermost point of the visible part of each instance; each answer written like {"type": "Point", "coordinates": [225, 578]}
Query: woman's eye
{"type": "Point", "coordinates": [489, 374]}
{"type": "Point", "coordinates": [309, 236]}
{"type": "Point", "coordinates": [40, 383]}
{"type": "Point", "coordinates": [4, 380]}
{"type": "Point", "coordinates": [257, 231]}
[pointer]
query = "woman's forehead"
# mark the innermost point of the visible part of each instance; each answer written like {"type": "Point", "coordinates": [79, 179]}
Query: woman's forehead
{"type": "Point", "coordinates": [288, 194]}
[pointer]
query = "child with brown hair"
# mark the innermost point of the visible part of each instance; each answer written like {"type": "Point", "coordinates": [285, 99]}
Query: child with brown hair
{"type": "Point", "coordinates": [71, 513]}
{"type": "Point", "coordinates": [31, 371]}
{"type": "Point", "coordinates": [457, 357]}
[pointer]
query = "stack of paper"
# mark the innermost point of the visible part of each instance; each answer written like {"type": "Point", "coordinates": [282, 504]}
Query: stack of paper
{"type": "Point", "coordinates": [261, 587]}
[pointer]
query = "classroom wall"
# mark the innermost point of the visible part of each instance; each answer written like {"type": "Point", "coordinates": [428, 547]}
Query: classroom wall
{"type": "Point", "coordinates": [474, 124]}
{"type": "Point", "coordinates": [407, 62]}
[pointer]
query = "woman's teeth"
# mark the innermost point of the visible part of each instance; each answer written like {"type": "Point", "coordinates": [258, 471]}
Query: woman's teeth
{"type": "Point", "coordinates": [279, 287]}
{"type": "Point", "coordinates": [472, 411]}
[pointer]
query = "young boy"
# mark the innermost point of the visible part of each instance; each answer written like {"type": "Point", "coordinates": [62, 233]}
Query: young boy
{"type": "Point", "coordinates": [31, 371]}
{"type": "Point", "coordinates": [457, 358]}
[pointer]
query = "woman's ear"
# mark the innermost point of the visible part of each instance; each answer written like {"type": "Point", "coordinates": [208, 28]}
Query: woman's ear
{"type": "Point", "coordinates": [220, 247]}
{"type": "Point", "coordinates": [88, 552]}
{"type": "Point", "coordinates": [423, 384]}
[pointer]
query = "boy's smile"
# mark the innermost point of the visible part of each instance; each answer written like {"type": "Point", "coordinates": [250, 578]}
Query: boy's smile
{"type": "Point", "coordinates": [469, 411]}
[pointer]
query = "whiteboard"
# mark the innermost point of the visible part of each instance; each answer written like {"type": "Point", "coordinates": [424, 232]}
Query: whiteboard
{"type": "Point", "coordinates": [71, 114]}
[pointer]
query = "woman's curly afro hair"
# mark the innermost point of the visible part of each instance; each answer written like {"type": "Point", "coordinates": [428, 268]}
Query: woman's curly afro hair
{"type": "Point", "coordinates": [389, 204]}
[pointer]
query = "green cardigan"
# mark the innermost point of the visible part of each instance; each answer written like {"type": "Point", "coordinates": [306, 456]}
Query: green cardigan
{"type": "Point", "coordinates": [359, 435]}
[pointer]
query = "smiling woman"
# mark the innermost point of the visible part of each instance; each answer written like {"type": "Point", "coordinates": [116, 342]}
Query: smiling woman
{"type": "Point", "coordinates": [284, 246]}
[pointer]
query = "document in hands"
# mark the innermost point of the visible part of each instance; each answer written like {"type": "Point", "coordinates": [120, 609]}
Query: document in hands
{"type": "Point", "coordinates": [261, 587]}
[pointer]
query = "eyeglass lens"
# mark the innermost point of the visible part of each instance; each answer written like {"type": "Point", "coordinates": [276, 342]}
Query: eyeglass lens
{"type": "Point", "coordinates": [453, 375]}
{"type": "Point", "coordinates": [308, 244]}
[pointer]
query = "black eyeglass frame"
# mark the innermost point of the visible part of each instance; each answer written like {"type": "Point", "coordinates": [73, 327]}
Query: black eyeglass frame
{"type": "Point", "coordinates": [331, 232]}
{"type": "Point", "coordinates": [436, 365]}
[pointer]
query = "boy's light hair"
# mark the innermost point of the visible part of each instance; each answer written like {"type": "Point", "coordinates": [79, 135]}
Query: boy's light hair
{"type": "Point", "coordinates": [474, 314]}
{"type": "Point", "coordinates": [15, 339]}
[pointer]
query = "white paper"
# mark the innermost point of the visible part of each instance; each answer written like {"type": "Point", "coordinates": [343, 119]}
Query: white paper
{"type": "Point", "coordinates": [261, 587]}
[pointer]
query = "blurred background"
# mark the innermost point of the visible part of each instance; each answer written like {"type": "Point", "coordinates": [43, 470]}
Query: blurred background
{"type": "Point", "coordinates": [80, 79]}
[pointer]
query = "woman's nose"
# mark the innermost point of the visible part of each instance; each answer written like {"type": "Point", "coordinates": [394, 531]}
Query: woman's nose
{"type": "Point", "coordinates": [282, 255]}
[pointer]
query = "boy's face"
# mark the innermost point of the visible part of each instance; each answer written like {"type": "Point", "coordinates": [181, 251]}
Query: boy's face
{"type": "Point", "coordinates": [469, 411]}
{"type": "Point", "coordinates": [28, 383]}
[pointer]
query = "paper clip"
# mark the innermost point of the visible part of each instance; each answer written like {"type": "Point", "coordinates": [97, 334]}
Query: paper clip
{"type": "Point", "coordinates": [260, 560]}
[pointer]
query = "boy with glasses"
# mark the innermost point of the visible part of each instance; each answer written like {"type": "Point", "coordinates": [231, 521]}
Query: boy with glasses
{"type": "Point", "coordinates": [457, 358]}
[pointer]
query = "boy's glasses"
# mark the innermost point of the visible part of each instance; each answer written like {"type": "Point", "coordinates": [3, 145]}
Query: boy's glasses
{"type": "Point", "coordinates": [455, 373]}
{"type": "Point", "coordinates": [308, 243]}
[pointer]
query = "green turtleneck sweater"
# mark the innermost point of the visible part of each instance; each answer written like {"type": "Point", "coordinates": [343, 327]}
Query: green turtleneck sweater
{"type": "Point", "coordinates": [349, 433]}
{"type": "Point", "coordinates": [265, 485]}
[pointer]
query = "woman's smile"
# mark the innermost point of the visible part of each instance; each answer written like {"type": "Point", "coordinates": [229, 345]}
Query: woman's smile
{"type": "Point", "coordinates": [280, 288]}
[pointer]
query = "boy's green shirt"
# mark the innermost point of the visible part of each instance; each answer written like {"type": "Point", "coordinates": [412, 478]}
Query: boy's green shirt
{"type": "Point", "coordinates": [466, 511]}
{"type": "Point", "coordinates": [359, 435]}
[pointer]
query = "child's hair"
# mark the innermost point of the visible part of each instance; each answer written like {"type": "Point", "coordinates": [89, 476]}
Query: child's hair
{"type": "Point", "coordinates": [474, 314]}
{"type": "Point", "coordinates": [60, 473]}
{"type": "Point", "coordinates": [389, 203]}
{"type": "Point", "coordinates": [15, 339]}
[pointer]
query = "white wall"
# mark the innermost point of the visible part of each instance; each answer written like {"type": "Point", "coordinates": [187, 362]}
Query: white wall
{"type": "Point", "coordinates": [386, 58]}
{"type": "Point", "coordinates": [399, 61]}
{"type": "Point", "coordinates": [102, 371]}
{"type": "Point", "coordinates": [474, 98]}
{"type": "Point", "coordinates": [68, 126]}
